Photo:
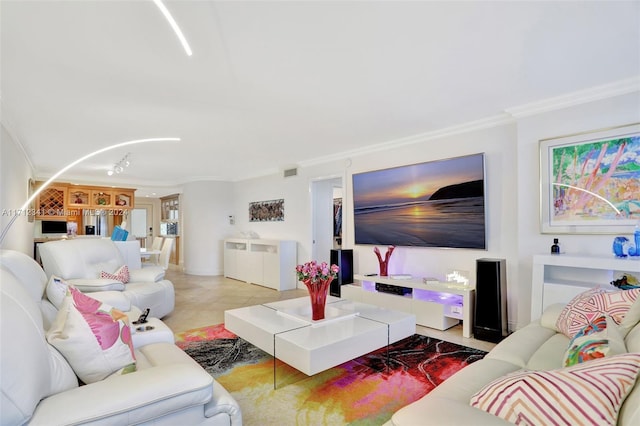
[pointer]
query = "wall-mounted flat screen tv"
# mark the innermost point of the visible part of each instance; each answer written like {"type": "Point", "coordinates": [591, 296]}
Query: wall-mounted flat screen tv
{"type": "Point", "coordinates": [54, 227]}
{"type": "Point", "coordinates": [433, 204]}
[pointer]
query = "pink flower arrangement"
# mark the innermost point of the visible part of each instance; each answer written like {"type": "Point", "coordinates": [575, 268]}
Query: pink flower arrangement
{"type": "Point", "coordinates": [314, 272]}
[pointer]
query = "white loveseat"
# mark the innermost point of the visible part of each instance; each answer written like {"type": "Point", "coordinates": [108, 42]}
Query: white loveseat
{"type": "Point", "coordinates": [40, 388]}
{"type": "Point", "coordinates": [80, 261]}
{"type": "Point", "coordinates": [538, 346]}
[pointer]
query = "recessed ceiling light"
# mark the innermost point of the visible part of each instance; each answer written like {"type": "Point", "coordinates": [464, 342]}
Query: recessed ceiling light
{"type": "Point", "coordinates": [174, 25]}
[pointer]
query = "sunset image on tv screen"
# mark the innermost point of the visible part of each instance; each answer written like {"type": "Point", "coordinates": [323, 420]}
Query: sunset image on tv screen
{"type": "Point", "coordinates": [432, 204]}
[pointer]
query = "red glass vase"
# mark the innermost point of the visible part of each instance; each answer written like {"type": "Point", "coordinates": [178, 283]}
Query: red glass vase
{"type": "Point", "coordinates": [318, 293]}
{"type": "Point", "coordinates": [383, 269]}
{"type": "Point", "coordinates": [384, 264]}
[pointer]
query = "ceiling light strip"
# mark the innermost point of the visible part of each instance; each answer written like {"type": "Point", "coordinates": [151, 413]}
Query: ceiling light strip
{"type": "Point", "coordinates": [174, 25]}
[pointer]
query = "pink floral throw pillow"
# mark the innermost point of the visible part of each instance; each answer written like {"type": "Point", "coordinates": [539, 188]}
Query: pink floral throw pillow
{"type": "Point", "coordinates": [93, 337]}
{"type": "Point", "coordinates": [586, 307]}
{"type": "Point", "coordinates": [122, 274]}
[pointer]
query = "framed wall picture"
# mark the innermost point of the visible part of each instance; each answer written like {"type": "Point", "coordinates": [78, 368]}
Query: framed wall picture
{"type": "Point", "coordinates": [337, 217]}
{"type": "Point", "coordinates": [590, 182]}
{"type": "Point", "coordinates": [266, 211]}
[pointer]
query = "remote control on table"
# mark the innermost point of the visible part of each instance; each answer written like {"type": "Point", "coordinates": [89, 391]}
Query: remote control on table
{"type": "Point", "coordinates": [143, 317]}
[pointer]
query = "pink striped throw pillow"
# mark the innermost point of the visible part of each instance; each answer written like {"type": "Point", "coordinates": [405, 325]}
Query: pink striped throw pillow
{"type": "Point", "coordinates": [586, 307]}
{"type": "Point", "coordinates": [588, 393]}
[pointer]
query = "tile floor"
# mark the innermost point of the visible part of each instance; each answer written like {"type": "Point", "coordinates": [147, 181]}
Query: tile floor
{"type": "Point", "coordinates": [202, 300]}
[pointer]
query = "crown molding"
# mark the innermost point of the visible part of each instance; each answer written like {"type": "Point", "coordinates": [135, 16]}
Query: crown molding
{"type": "Point", "coordinates": [256, 174]}
{"type": "Point", "coordinates": [510, 115]}
{"type": "Point", "coordinates": [485, 123]}
{"type": "Point", "coordinates": [610, 90]}
{"type": "Point", "coordinates": [123, 181]}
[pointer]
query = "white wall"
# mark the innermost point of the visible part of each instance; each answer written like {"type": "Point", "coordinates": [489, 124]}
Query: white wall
{"type": "Point", "coordinates": [15, 172]}
{"type": "Point", "coordinates": [499, 144]}
{"type": "Point", "coordinates": [296, 192]}
{"type": "Point", "coordinates": [511, 155]}
{"type": "Point", "coordinates": [205, 208]}
{"type": "Point", "coordinates": [615, 111]}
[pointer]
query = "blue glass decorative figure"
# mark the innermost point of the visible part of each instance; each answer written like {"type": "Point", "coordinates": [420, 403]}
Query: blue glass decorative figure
{"type": "Point", "coordinates": [635, 251]}
{"type": "Point", "coordinates": [618, 246]}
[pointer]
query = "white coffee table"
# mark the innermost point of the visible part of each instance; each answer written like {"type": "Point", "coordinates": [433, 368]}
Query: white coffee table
{"type": "Point", "coordinates": [285, 331]}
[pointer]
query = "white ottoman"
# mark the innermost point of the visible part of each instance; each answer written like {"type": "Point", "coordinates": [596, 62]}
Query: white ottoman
{"type": "Point", "coordinates": [153, 331]}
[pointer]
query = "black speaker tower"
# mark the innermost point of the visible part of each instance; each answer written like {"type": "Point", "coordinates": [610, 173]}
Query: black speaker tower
{"type": "Point", "coordinates": [344, 260]}
{"type": "Point", "coordinates": [490, 313]}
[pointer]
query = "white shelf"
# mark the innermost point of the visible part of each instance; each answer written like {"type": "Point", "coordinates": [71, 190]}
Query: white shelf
{"type": "Point", "coordinates": [270, 263]}
{"type": "Point", "coordinates": [557, 278]}
{"type": "Point", "coordinates": [417, 283]}
{"type": "Point", "coordinates": [430, 303]}
{"type": "Point", "coordinates": [589, 262]}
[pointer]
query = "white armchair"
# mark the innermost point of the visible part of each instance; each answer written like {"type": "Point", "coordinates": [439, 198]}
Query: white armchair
{"type": "Point", "coordinates": [80, 261]}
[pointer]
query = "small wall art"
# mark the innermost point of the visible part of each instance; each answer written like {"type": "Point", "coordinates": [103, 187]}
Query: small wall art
{"type": "Point", "coordinates": [266, 211]}
{"type": "Point", "coordinates": [337, 217]}
{"type": "Point", "coordinates": [590, 182]}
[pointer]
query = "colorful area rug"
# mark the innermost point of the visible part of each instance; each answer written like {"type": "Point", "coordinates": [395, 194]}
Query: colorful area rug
{"type": "Point", "coordinates": [358, 392]}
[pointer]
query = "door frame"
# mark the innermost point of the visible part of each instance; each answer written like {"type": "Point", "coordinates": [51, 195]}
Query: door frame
{"type": "Point", "coordinates": [149, 228]}
{"type": "Point", "coordinates": [321, 191]}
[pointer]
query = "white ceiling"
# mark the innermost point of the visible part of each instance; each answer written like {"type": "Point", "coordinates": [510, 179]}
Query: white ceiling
{"type": "Point", "coordinates": [275, 84]}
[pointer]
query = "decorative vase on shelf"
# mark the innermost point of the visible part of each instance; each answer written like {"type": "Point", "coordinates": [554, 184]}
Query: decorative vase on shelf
{"type": "Point", "coordinates": [635, 250]}
{"type": "Point", "coordinates": [619, 245]}
{"type": "Point", "coordinates": [318, 293]}
{"type": "Point", "coordinates": [384, 264]}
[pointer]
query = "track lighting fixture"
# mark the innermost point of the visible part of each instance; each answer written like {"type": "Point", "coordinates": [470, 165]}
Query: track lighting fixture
{"type": "Point", "coordinates": [120, 165]}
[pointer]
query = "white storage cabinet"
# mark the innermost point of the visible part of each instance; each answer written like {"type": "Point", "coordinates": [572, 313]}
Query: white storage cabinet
{"type": "Point", "coordinates": [269, 263]}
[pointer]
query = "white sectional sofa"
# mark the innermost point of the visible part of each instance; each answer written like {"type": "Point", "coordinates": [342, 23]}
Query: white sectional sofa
{"type": "Point", "coordinates": [80, 261]}
{"type": "Point", "coordinates": [39, 386]}
{"type": "Point", "coordinates": [539, 347]}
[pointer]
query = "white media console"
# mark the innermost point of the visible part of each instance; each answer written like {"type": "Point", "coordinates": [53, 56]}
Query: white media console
{"type": "Point", "coordinates": [439, 305]}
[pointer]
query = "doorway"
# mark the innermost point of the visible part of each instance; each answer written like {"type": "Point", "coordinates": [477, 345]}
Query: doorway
{"type": "Point", "coordinates": [142, 224]}
{"type": "Point", "coordinates": [323, 216]}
